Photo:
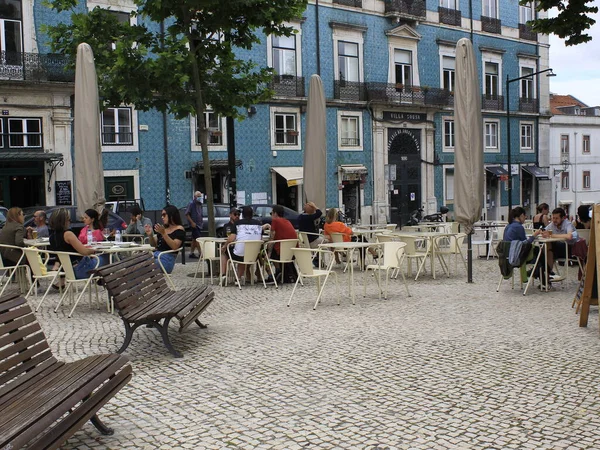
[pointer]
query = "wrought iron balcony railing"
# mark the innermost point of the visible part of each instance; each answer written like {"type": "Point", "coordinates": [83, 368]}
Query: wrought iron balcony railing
{"type": "Point", "coordinates": [450, 16]}
{"type": "Point", "coordinates": [491, 25]}
{"type": "Point", "coordinates": [415, 95]}
{"type": "Point", "coordinates": [528, 105]}
{"type": "Point", "coordinates": [288, 86]}
{"type": "Point", "coordinates": [492, 102]}
{"type": "Point", "coordinates": [405, 8]}
{"type": "Point", "coordinates": [355, 3]}
{"type": "Point", "coordinates": [525, 32]}
{"type": "Point", "coordinates": [349, 90]}
{"type": "Point", "coordinates": [35, 67]}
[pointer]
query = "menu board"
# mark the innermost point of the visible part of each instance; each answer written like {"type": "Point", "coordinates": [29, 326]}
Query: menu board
{"type": "Point", "coordinates": [63, 192]}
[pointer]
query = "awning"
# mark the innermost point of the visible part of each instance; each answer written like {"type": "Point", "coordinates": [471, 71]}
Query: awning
{"type": "Point", "coordinates": [30, 156]}
{"type": "Point", "coordinates": [565, 202]}
{"type": "Point", "coordinates": [293, 175]}
{"type": "Point", "coordinates": [354, 168]}
{"type": "Point", "coordinates": [217, 164]}
{"type": "Point", "coordinates": [536, 172]}
{"type": "Point", "coordinates": [497, 170]}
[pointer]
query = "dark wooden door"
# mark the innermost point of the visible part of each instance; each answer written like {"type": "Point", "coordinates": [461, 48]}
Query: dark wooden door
{"type": "Point", "coordinates": [404, 150]}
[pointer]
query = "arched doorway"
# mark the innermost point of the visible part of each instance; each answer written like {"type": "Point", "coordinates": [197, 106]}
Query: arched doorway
{"type": "Point", "coordinates": [404, 150]}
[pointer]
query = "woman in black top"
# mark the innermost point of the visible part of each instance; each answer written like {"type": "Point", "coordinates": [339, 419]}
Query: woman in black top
{"type": "Point", "coordinates": [170, 236]}
{"type": "Point", "coordinates": [583, 221]}
{"type": "Point", "coordinates": [540, 220]}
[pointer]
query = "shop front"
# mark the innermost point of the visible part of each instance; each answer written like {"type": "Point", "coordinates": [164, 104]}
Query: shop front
{"type": "Point", "coordinates": [286, 185]}
{"type": "Point", "coordinates": [351, 183]}
{"type": "Point", "coordinates": [496, 176]}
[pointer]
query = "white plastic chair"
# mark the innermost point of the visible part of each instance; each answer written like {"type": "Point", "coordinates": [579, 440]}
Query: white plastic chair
{"type": "Point", "coordinates": [391, 227]}
{"type": "Point", "coordinates": [305, 268]}
{"type": "Point", "coordinates": [70, 280]}
{"type": "Point", "coordinates": [413, 252]}
{"type": "Point", "coordinates": [34, 257]}
{"type": "Point", "coordinates": [451, 245]}
{"type": "Point", "coordinates": [285, 255]}
{"type": "Point", "coordinates": [482, 237]}
{"type": "Point", "coordinates": [251, 253]}
{"type": "Point", "coordinates": [12, 270]}
{"type": "Point", "coordinates": [208, 254]}
{"type": "Point", "coordinates": [160, 263]}
{"type": "Point", "coordinates": [391, 260]}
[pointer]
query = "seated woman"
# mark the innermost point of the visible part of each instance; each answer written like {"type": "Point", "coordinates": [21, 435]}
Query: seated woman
{"type": "Point", "coordinates": [64, 240]}
{"type": "Point", "coordinates": [170, 236]}
{"type": "Point", "coordinates": [541, 220]}
{"type": "Point", "coordinates": [583, 220]}
{"type": "Point", "coordinates": [138, 222]}
{"type": "Point", "coordinates": [91, 219]}
{"type": "Point", "coordinates": [13, 233]}
{"type": "Point", "coordinates": [333, 225]}
{"type": "Point", "coordinates": [516, 232]}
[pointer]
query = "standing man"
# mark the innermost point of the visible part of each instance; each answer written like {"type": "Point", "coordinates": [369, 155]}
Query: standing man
{"type": "Point", "coordinates": [308, 222]}
{"type": "Point", "coordinates": [193, 213]}
{"type": "Point", "coordinates": [39, 219]}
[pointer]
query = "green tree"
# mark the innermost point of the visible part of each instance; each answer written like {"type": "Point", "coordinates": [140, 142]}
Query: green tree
{"type": "Point", "coordinates": [180, 57]}
{"type": "Point", "coordinates": [571, 22]}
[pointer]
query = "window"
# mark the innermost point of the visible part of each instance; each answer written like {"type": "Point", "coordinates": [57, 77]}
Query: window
{"type": "Point", "coordinates": [564, 145]}
{"type": "Point", "coordinates": [350, 133]}
{"type": "Point", "coordinates": [348, 61]}
{"type": "Point", "coordinates": [212, 122]}
{"type": "Point", "coordinates": [491, 79]}
{"type": "Point", "coordinates": [526, 136]}
{"type": "Point", "coordinates": [450, 4]}
{"type": "Point", "coordinates": [491, 135]}
{"type": "Point", "coordinates": [10, 32]}
{"type": "Point", "coordinates": [448, 75]}
{"type": "Point", "coordinates": [403, 67]}
{"type": "Point", "coordinates": [490, 9]}
{"type": "Point", "coordinates": [564, 181]}
{"type": "Point", "coordinates": [23, 133]}
{"type": "Point", "coordinates": [525, 13]}
{"type": "Point", "coordinates": [527, 90]}
{"type": "Point", "coordinates": [586, 143]}
{"type": "Point", "coordinates": [586, 179]}
{"type": "Point", "coordinates": [284, 54]}
{"type": "Point", "coordinates": [116, 127]}
{"type": "Point", "coordinates": [285, 128]}
{"type": "Point", "coordinates": [449, 185]}
{"type": "Point", "coordinates": [449, 134]}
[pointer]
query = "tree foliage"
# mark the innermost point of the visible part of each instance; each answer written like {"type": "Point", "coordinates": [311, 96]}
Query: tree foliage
{"type": "Point", "coordinates": [571, 23]}
{"type": "Point", "coordinates": [180, 57]}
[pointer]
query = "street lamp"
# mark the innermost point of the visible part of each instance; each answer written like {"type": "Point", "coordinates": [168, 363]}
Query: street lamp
{"type": "Point", "coordinates": [508, 81]}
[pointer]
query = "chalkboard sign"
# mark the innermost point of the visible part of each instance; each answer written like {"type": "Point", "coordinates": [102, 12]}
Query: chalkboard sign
{"type": "Point", "coordinates": [63, 192]}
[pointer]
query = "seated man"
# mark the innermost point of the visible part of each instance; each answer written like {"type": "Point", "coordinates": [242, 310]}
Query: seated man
{"type": "Point", "coordinates": [138, 222]}
{"type": "Point", "coordinates": [230, 232]}
{"type": "Point", "coordinates": [246, 229]}
{"type": "Point", "coordinates": [308, 223]}
{"type": "Point", "coordinates": [281, 229]}
{"type": "Point", "coordinates": [559, 227]}
{"type": "Point", "coordinates": [39, 219]}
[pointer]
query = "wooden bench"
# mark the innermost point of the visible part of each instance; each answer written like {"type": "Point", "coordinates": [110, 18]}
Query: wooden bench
{"type": "Point", "coordinates": [43, 401]}
{"type": "Point", "coordinates": [142, 297]}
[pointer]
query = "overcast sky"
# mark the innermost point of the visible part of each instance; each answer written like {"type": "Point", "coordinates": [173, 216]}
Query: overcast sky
{"type": "Point", "coordinates": [577, 68]}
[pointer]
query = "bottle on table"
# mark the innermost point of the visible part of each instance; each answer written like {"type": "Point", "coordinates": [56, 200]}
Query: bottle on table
{"type": "Point", "coordinates": [90, 237]}
{"type": "Point", "coordinates": [118, 236]}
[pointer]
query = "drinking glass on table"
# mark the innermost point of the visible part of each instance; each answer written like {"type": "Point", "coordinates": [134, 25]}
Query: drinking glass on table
{"type": "Point", "coordinates": [106, 233]}
{"type": "Point", "coordinates": [34, 234]}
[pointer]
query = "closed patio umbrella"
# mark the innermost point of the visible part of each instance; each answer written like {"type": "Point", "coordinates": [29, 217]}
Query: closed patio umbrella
{"type": "Point", "coordinates": [468, 143]}
{"type": "Point", "coordinates": [315, 148]}
{"type": "Point", "coordinates": [89, 178]}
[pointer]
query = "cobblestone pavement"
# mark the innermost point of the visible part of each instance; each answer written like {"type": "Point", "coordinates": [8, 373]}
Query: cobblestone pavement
{"type": "Point", "coordinates": [455, 366]}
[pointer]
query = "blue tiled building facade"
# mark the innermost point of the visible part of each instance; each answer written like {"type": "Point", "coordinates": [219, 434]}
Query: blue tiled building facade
{"type": "Point", "coordinates": [388, 72]}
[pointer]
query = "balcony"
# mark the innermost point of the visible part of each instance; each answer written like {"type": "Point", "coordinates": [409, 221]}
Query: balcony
{"type": "Point", "coordinates": [492, 102]}
{"type": "Point", "coordinates": [528, 105]}
{"type": "Point", "coordinates": [35, 67]}
{"type": "Point", "coordinates": [412, 95]}
{"type": "Point", "coordinates": [450, 16]}
{"type": "Point", "coordinates": [525, 32]}
{"type": "Point", "coordinates": [405, 9]}
{"type": "Point", "coordinates": [288, 86]}
{"type": "Point", "coordinates": [349, 90]}
{"type": "Point", "coordinates": [355, 3]}
{"type": "Point", "coordinates": [491, 25]}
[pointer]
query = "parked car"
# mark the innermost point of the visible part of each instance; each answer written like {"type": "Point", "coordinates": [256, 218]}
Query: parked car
{"type": "Point", "coordinates": [114, 220]}
{"type": "Point", "coordinates": [221, 218]}
{"type": "Point", "coordinates": [263, 214]}
{"type": "Point", "coordinates": [3, 213]}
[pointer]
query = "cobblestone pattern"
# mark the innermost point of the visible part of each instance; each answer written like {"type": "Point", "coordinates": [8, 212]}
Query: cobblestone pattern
{"type": "Point", "coordinates": [455, 366]}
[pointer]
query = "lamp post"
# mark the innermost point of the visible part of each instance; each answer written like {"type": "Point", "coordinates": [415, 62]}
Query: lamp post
{"type": "Point", "coordinates": [508, 81]}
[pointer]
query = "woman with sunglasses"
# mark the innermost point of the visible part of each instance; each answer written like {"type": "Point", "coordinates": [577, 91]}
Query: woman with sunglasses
{"type": "Point", "coordinates": [13, 233]}
{"type": "Point", "coordinates": [169, 236]}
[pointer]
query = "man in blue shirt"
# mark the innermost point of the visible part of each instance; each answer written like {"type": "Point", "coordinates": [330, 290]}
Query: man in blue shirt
{"type": "Point", "coordinates": [560, 227]}
{"type": "Point", "coordinates": [193, 213]}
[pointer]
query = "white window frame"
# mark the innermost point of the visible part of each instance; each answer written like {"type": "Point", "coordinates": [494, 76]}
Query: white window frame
{"type": "Point", "coordinates": [531, 137]}
{"type": "Point", "coordinates": [495, 5]}
{"type": "Point", "coordinates": [586, 180]}
{"type": "Point", "coordinates": [25, 133]}
{"type": "Point", "coordinates": [564, 180]}
{"type": "Point", "coordinates": [195, 145]}
{"type": "Point", "coordinates": [298, 34]}
{"type": "Point", "coordinates": [404, 66]}
{"type": "Point", "coordinates": [562, 148]}
{"type": "Point", "coordinates": [449, 52]}
{"type": "Point", "coordinates": [447, 121]}
{"type": "Point", "coordinates": [403, 38]}
{"type": "Point", "coordinates": [588, 150]}
{"type": "Point", "coordinates": [528, 64]}
{"type": "Point", "coordinates": [351, 36]}
{"type": "Point", "coordinates": [522, 9]}
{"type": "Point", "coordinates": [491, 58]}
{"type": "Point", "coordinates": [491, 149]}
{"type": "Point", "coordinates": [350, 114]}
{"type": "Point", "coordinates": [448, 4]}
{"type": "Point", "coordinates": [447, 199]}
{"type": "Point", "coordinates": [135, 147]}
{"type": "Point", "coordinates": [115, 6]}
{"type": "Point", "coordinates": [285, 110]}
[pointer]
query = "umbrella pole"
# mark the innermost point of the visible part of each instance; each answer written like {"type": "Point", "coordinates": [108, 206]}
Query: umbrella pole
{"type": "Point", "coordinates": [469, 258]}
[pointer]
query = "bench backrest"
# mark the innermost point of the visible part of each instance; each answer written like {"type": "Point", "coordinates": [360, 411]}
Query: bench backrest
{"type": "Point", "coordinates": [24, 350]}
{"type": "Point", "coordinates": [134, 281]}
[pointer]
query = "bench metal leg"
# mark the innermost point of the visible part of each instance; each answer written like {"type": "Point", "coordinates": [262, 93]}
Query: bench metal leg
{"type": "Point", "coordinates": [103, 429]}
{"type": "Point", "coordinates": [164, 332]}
{"type": "Point", "coordinates": [200, 324]}
{"type": "Point", "coordinates": [128, 334]}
